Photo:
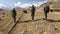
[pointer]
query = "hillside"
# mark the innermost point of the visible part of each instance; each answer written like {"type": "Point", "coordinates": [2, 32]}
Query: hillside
{"type": "Point", "coordinates": [56, 5]}
{"type": "Point", "coordinates": [24, 24]}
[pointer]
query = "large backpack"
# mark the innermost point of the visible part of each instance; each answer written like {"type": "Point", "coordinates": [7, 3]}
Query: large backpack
{"type": "Point", "coordinates": [46, 8]}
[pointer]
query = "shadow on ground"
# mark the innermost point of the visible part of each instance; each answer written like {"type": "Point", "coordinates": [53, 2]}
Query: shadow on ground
{"type": "Point", "coordinates": [49, 20]}
{"type": "Point", "coordinates": [53, 20]}
{"type": "Point", "coordinates": [29, 20]}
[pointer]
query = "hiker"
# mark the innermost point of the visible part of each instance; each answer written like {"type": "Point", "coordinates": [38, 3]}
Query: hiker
{"type": "Point", "coordinates": [33, 12]}
{"type": "Point", "coordinates": [14, 14]}
{"type": "Point", "coordinates": [46, 10]}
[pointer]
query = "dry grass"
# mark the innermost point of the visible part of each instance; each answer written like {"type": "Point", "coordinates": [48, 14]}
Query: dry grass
{"type": "Point", "coordinates": [26, 26]}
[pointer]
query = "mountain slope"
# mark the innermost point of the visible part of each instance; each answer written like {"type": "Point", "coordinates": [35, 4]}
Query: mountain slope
{"type": "Point", "coordinates": [26, 26]}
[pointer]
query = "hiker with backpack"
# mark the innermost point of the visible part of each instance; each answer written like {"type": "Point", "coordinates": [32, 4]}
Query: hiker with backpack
{"type": "Point", "coordinates": [46, 10]}
{"type": "Point", "coordinates": [33, 12]}
{"type": "Point", "coordinates": [14, 14]}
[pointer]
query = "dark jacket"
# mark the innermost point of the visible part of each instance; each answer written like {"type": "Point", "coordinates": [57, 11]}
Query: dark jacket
{"type": "Point", "coordinates": [33, 10]}
{"type": "Point", "coordinates": [14, 12]}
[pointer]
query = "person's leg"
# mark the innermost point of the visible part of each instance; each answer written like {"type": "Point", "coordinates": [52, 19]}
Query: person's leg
{"type": "Point", "coordinates": [14, 19]}
{"type": "Point", "coordinates": [32, 17]}
{"type": "Point", "coordinates": [46, 15]}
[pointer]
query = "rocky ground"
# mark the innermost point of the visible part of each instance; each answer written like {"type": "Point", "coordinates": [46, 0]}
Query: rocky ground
{"type": "Point", "coordinates": [25, 25]}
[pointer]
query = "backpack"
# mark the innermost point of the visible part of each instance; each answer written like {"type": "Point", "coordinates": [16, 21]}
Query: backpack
{"type": "Point", "coordinates": [46, 8]}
